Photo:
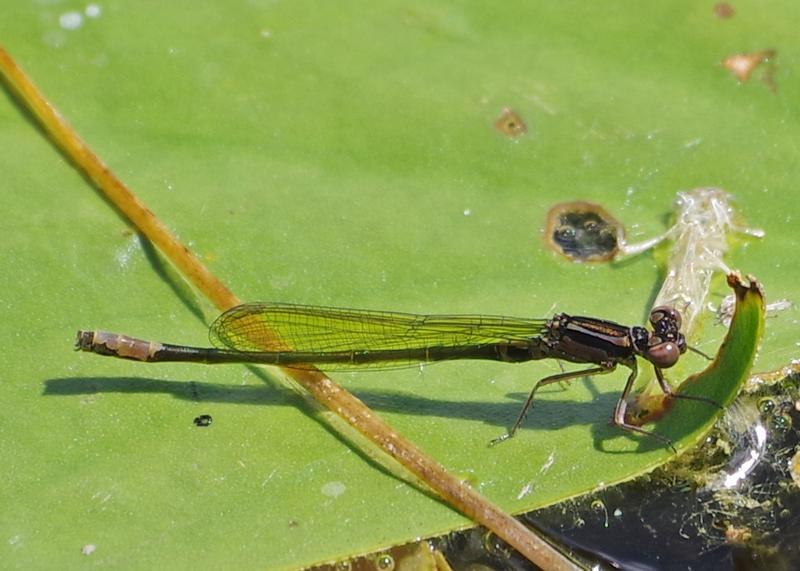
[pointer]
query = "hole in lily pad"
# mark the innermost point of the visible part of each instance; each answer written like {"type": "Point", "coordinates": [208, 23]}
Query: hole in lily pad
{"type": "Point", "coordinates": [510, 124]}
{"type": "Point", "coordinates": [583, 231]}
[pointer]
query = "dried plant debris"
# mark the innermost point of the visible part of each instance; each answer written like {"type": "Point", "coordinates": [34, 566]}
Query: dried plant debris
{"type": "Point", "coordinates": [510, 124]}
{"type": "Point", "coordinates": [705, 217]}
{"type": "Point", "coordinates": [743, 65]}
{"type": "Point", "coordinates": [583, 232]}
{"type": "Point", "coordinates": [794, 468]}
{"type": "Point", "coordinates": [724, 312]}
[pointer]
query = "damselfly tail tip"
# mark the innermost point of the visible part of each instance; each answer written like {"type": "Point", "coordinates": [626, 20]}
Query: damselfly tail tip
{"type": "Point", "coordinates": [84, 340]}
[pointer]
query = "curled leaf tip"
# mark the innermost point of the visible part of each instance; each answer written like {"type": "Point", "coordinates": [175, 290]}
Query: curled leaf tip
{"type": "Point", "coordinates": [720, 381]}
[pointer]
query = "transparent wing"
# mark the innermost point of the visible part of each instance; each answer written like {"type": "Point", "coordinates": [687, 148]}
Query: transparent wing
{"type": "Point", "coordinates": [312, 329]}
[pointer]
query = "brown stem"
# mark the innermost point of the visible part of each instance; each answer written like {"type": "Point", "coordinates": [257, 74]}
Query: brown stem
{"type": "Point", "coordinates": [323, 389]}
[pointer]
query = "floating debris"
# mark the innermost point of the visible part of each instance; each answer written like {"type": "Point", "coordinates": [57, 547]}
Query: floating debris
{"type": "Point", "coordinates": [794, 468]}
{"type": "Point", "coordinates": [743, 66]}
{"type": "Point", "coordinates": [724, 312]}
{"type": "Point", "coordinates": [700, 241]}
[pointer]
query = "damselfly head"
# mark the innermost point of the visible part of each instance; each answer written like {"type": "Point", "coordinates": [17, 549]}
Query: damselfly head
{"type": "Point", "coordinates": [84, 340]}
{"type": "Point", "coordinates": [665, 320]}
{"type": "Point", "coordinates": [665, 352]}
{"type": "Point", "coordinates": [667, 343]}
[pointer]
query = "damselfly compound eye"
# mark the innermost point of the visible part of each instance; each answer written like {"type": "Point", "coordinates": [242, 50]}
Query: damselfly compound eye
{"type": "Point", "coordinates": [682, 345]}
{"type": "Point", "coordinates": [664, 312]}
{"type": "Point", "coordinates": [663, 355]}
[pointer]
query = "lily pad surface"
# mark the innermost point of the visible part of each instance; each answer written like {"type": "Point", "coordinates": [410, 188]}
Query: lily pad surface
{"type": "Point", "coordinates": [347, 154]}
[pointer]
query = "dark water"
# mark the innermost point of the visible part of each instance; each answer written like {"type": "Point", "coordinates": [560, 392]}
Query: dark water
{"type": "Point", "coordinates": [732, 504]}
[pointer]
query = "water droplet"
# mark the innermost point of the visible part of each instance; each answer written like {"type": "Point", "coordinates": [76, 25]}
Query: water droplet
{"type": "Point", "coordinates": [599, 506]}
{"type": "Point", "coordinates": [384, 562]}
{"type": "Point", "coordinates": [495, 546]}
{"type": "Point", "coordinates": [333, 489]}
{"type": "Point", "coordinates": [70, 20]}
{"type": "Point", "coordinates": [93, 10]}
{"type": "Point", "coordinates": [782, 422]}
{"type": "Point", "coordinates": [766, 405]}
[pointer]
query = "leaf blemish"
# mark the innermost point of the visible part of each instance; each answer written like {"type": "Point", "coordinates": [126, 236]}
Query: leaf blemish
{"type": "Point", "coordinates": [510, 124]}
{"type": "Point", "coordinates": [743, 65]}
{"type": "Point", "coordinates": [724, 11]}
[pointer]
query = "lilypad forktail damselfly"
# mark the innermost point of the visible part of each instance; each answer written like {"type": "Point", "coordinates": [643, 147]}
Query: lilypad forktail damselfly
{"type": "Point", "coordinates": [302, 336]}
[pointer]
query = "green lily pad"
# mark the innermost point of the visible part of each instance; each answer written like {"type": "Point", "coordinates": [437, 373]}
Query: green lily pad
{"type": "Point", "coordinates": [346, 155]}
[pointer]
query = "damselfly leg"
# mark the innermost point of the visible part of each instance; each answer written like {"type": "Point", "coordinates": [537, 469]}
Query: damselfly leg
{"type": "Point", "coordinates": [662, 382]}
{"type": "Point", "coordinates": [560, 377]}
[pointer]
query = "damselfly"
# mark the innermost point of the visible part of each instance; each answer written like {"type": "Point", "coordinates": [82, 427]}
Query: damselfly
{"type": "Point", "coordinates": [302, 336]}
